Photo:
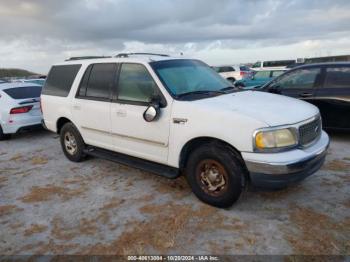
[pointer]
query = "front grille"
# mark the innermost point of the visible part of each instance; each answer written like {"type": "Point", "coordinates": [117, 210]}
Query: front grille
{"type": "Point", "coordinates": [310, 132]}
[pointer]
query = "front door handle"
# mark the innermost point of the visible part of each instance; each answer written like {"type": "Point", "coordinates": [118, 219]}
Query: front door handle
{"type": "Point", "coordinates": [76, 107]}
{"type": "Point", "coordinates": [305, 94]}
{"type": "Point", "coordinates": [121, 113]}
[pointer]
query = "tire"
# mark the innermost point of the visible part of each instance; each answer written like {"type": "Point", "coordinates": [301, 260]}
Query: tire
{"type": "Point", "coordinates": [4, 136]}
{"type": "Point", "coordinates": [239, 85]}
{"type": "Point", "coordinates": [231, 79]}
{"type": "Point", "coordinates": [223, 163]}
{"type": "Point", "coordinates": [72, 143]}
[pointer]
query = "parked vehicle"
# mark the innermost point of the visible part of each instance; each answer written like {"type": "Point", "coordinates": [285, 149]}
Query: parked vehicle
{"type": "Point", "coordinates": [259, 78]}
{"type": "Point", "coordinates": [277, 64]}
{"type": "Point", "coordinates": [233, 73]}
{"type": "Point", "coordinates": [174, 116]}
{"type": "Point", "coordinates": [38, 81]}
{"type": "Point", "coordinates": [19, 108]}
{"type": "Point", "coordinates": [325, 85]}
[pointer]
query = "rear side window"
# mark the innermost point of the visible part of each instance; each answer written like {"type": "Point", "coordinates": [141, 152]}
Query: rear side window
{"type": "Point", "coordinates": [60, 80]}
{"type": "Point", "coordinates": [225, 69]}
{"type": "Point", "coordinates": [98, 81]}
{"type": "Point", "coordinates": [301, 78]}
{"type": "Point", "coordinates": [24, 92]}
{"type": "Point", "coordinates": [277, 73]}
{"type": "Point", "coordinates": [338, 77]}
{"type": "Point", "coordinates": [262, 74]}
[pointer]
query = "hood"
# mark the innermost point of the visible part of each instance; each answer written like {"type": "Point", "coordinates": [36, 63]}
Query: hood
{"type": "Point", "coordinates": [274, 110]}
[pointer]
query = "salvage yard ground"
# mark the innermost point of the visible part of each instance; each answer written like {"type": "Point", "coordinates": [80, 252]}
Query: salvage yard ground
{"type": "Point", "coordinates": [49, 205]}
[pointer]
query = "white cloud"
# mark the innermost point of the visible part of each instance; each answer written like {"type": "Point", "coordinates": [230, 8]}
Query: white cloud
{"type": "Point", "coordinates": [39, 33]}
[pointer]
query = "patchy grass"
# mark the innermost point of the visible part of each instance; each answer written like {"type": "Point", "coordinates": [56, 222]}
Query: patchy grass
{"type": "Point", "coordinates": [113, 203]}
{"type": "Point", "coordinates": [37, 160]}
{"type": "Point", "coordinates": [17, 157]}
{"type": "Point", "coordinates": [337, 165]}
{"type": "Point", "coordinates": [87, 227]}
{"type": "Point", "coordinates": [165, 227]}
{"type": "Point", "coordinates": [34, 229]}
{"type": "Point", "coordinates": [8, 209]}
{"type": "Point", "coordinates": [318, 234]}
{"type": "Point", "coordinates": [39, 194]}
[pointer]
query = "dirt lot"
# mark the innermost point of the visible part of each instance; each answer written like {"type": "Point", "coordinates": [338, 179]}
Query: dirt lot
{"type": "Point", "coordinates": [49, 205]}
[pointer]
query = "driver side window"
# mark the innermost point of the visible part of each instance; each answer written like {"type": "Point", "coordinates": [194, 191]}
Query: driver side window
{"type": "Point", "coordinates": [301, 78]}
{"type": "Point", "coordinates": [136, 84]}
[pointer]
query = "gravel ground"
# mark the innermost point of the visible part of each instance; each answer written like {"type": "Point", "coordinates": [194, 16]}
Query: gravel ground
{"type": "Point", "coordinates": [49, 205]}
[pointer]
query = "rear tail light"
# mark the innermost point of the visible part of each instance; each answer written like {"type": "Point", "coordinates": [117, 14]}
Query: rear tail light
{"type": "Point", "coordinates": [20, 110]}
{"type": "Point", "coordinates": [242, 73]}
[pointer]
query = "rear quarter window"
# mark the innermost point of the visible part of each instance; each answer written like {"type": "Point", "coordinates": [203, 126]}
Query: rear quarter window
{"type": "Point", "coordinates": [60, 80]}
{"type": "Point", "coordinates": [338, 77]}
{"type": "Point", "coordinates": [24, 92]}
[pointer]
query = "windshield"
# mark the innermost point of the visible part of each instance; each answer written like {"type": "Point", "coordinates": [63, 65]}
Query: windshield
{"type": "Point", "coordinates": [184, 76]}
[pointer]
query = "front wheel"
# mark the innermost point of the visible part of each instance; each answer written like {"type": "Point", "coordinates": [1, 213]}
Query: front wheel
{"type": "Point", "coordinates": [72, 143]}
{"type": "Point", "coordinates": [216, 175]}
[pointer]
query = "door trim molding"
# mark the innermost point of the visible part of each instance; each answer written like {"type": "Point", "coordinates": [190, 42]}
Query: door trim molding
{"type": "Point", "coordinates": [126, 136]}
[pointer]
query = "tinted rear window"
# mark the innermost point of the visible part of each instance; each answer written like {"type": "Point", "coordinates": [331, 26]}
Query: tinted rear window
{"type": "Point", "coordinates": [60, 80]}
{"type": "Point", "coordinates": [101, 80]}
{"type": "Point", "coordinates": [24, 92]}
{"type": "Point", "coordinates": [338, 77]}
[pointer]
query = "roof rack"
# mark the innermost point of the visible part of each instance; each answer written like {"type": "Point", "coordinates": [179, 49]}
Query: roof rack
{"type": "Point", "coordinates": [86, 57]}
{"type": "Point", "coordinates": [130, 54]}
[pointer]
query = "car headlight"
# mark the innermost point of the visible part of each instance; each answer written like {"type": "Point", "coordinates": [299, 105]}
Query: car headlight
{"type": "Point", "coordinates": [275, 139]}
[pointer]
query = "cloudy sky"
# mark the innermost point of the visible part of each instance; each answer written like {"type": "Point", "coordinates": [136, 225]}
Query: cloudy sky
{"type": "Point", "coordinates": [36, 33]}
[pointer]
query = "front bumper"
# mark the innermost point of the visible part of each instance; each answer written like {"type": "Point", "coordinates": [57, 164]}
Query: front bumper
{"type": "Point", "coordinates": [277, 170]}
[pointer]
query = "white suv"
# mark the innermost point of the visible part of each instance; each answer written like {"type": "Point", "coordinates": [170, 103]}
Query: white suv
{"type": "Point", "coordinates": [175, 116]}
{"type": "Point", "coordinates": [234, 73]}
{"type": "Point", "coordinates": [19, 108]}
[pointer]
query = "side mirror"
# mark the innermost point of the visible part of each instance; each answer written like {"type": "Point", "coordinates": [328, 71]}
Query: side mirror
{"type": "Point", "coordinates": [152, 113]}
{"type": "Point", "coordinates": [275, 88]}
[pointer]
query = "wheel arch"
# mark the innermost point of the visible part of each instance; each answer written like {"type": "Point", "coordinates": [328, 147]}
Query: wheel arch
{"type": "Point", "coordinates": [60, 123]}
{"type": "Point", "coordinates": [199, 141]}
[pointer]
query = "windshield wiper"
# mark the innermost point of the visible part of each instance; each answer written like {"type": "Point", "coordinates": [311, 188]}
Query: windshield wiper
{"type": "Point", "coordinates": [228, 88]}
{"type": "Point", "coordinates": [202, 92]}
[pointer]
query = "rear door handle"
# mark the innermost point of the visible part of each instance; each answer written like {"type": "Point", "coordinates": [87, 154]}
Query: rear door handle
{"type": "Point", "coordinates": [305, 94]}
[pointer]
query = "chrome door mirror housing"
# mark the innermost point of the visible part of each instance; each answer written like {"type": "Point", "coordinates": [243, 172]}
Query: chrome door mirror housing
{"type": "Point", "coordinates": [152, 113]}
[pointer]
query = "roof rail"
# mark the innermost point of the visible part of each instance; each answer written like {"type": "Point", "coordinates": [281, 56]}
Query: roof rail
{"type": "Point", "coordinates": [130, 54]}
{"type": "Point", "coordinates": [85, 57]}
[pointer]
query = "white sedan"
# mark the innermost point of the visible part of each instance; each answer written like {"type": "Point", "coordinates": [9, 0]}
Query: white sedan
{"type": "Point", "coordinates": [19, 107]}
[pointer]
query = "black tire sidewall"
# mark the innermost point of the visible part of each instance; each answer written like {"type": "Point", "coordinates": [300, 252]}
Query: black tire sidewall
{"type": "Point", "coordinates": [3, 136]}
{"type": "Point", "coordinates": [79, 155]}
{"type": "Point", "coordinates": [232, 166]}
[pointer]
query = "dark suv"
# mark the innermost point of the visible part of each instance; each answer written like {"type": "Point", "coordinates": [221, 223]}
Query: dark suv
{"type": "Point", "coordinates": [325, 85]}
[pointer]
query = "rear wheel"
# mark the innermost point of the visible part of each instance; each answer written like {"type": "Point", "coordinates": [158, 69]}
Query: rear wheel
{"type": "Point", "coordinates": [3, 136]}
{"type": "Point", "coordinates": [72, 143]}
{"type": "Point", "coordinates": [216, 175]}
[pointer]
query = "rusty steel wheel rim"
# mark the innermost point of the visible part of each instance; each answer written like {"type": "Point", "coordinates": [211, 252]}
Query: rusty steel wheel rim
{"type": "Point", "coordinates": [70, 143]}
{"type": "Point", "coordinates": [212, 177]}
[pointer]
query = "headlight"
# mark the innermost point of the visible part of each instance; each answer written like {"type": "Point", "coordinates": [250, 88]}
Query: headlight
{"type": "Point", "coordinates": [275, 139]}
